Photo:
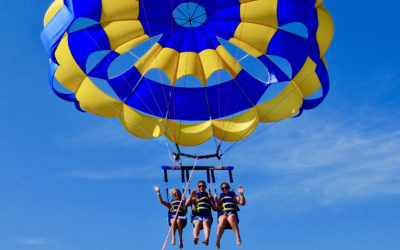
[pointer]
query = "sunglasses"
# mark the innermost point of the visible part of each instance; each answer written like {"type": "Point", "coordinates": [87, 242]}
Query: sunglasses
{"type": "Point", "coordinates": [225, 188]}
{"type": "Point", "coordinates": [176, 194]}
{"type": "Point", "coordinates": [201, 186]}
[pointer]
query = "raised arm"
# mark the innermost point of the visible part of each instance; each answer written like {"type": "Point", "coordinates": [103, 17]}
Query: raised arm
{"type": "Point", "coordinates": [157, 189]}
{"type": "Point", "coordinates": [192, 198]}
{"type": "Point", "coordinates": [240, 199]}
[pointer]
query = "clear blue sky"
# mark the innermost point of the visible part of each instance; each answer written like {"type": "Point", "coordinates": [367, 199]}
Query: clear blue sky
{"type": "Point", "coordinates": [327, 180]}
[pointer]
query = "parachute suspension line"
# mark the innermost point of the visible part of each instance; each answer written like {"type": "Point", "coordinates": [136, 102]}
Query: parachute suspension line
{"type": "Point", "coordinates": [143, 132]}
{"type": "Point", "coordinates": [159, 73]}
{"type": "Point", "coordinates": [125, 80]}
{"type": "Point", "coordinates": [209, 113]}
{"type": "Point", "coordinates": [244, 93]}
{"type": "Point", "coordinates": [237, 143]}
{"type": "Point", "coordinates": [219, 85]}
{"type": "Point", "coordinates": [176, 132]}
{"type": "Point", "coordinates": [222, 136]}
{"type": "Point", "coordinates": [237, 117]}
{"type": "Point", "coordinates": [180, 204]}
{"type": "Point", "coordinates": [175, 75]}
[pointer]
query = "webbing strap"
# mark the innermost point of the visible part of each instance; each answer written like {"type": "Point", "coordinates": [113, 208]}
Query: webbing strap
{"type": "Point", "coordinates": [213, 180]}
{"type": "Point", "coordinates": [208, 179]}
{"type": "Point", "coordinates": [230, 176]}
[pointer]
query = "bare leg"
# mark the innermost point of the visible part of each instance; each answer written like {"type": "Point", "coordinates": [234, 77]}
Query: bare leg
{"type": "Point", "coordinates": [180, 230]}
{"type": "Point", "coordinates": [196, 231]}
{"type": "Point", "coordinates": [232, 219]}
{"type": "Point", "coordinates": [206, 228]}
{"type": "Point", "coordinates": [174, 226]}
{"type": "Point", "coordinates": [222, 220]}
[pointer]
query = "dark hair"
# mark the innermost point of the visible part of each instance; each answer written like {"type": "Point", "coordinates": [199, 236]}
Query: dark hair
{"type": "Point", "coordinates": [201, 181]}
{"type": "Point", "coordinates": [223, 184]}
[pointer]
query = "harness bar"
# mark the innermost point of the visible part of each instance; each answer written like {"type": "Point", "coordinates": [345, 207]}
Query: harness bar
{"type": "Point", "coordinates": [178, 155]}
{"type": "Point", "coordinates": [229, 168]}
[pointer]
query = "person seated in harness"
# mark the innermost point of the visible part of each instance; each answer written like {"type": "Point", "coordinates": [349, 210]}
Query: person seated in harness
{"type": "Point", "coordinates": [227, 204]}
{"type": "Point", "coordinates": [203, 203]}
{"type": "Point", "coordinates": [177, 205]}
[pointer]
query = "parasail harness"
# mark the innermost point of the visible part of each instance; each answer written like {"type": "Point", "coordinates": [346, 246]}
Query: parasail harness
{"type": "Point", "coordinates": [187, 173]}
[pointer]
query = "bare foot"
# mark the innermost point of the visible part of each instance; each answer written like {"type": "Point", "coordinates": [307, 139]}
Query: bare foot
{"type": "Point", "coordinates": [180, 245]}
{"type": "Point", "coordinates": [173, 241]}
{"type": "Point", "coordinates": [195, 240]}
{"type": "Point", "coordinates": [238, 242]}
{"type": "Point", "coordinates": [217, 246]}
{"type": "Point", "coordinates": [205, 242]}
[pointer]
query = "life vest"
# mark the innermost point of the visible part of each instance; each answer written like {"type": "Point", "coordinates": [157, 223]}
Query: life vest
{"type": "Point", "coordinates": [203, 205]}
{"type": "Point", "coordinates": [228, 202]}
{"type": "Point", "coordinates": [174, 207]}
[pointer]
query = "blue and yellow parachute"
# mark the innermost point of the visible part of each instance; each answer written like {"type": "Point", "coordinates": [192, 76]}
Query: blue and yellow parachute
{"type": "Point", "coordinates": [213, 62]}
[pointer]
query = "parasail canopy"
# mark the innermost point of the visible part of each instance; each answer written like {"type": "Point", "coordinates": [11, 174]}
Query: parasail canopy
{"type": "Point", "coordinates": [193, 69]}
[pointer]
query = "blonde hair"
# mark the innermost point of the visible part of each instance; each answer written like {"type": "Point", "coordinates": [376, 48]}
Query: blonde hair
{"type": "Point", "coordinates": [174, 190]}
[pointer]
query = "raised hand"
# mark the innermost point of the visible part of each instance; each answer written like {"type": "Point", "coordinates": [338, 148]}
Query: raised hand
{"type": "Point", "coordinates": [156, 188]}
{"type": "Point", "coordinates": [216, 195]}
{"type": "Point", "coordinates": [240, 190]}
{"type": "Point", "coordinates": [193, 194]}
{"type": "Point", "coordinates": [209, 195]}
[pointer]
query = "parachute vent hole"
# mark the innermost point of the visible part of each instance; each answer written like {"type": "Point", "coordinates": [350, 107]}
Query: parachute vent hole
{"type": "Point", "coordinates": [189, 15]}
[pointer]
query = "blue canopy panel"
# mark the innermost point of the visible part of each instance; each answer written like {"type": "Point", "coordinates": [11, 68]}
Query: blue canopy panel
{"type": "Point", "coordinates": [89, 8]}
{"type": "Point", "coordinates": [290, 11]}
{"type": "Point", "coordinates": [323, 77]}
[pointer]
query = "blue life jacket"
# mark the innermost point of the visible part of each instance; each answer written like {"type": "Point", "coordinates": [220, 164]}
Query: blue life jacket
{"type": "Point", "coordinates": [174, 207]}
{"type": "Point", "coordinates": [203, 205]}
{"type": "Point", "coordinates": [228, 203]}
